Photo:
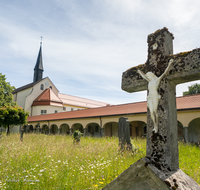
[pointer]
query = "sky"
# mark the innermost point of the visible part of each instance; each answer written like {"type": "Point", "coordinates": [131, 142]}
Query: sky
{"type": "Point", "coordinates": [88, 44]}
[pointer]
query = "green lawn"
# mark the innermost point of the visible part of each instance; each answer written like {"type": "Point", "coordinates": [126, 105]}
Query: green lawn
{"type": "Point", "coordinates": [54, 162]}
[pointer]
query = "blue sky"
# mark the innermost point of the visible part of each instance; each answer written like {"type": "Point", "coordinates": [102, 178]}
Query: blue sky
{"type": "Point", "coordinates": [87, 44]}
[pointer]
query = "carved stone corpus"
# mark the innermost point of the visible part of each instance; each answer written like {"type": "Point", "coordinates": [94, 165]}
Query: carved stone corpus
{"type": "Point", "coordinates": [162, 147]}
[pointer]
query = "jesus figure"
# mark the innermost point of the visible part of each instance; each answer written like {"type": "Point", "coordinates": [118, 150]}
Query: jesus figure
{"type": "Point", "coordinates": [153, 96]}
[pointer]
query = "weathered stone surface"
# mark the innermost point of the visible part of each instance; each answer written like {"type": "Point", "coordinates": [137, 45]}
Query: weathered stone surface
{"type": "Point", "coordinates": [124, 133]}
{"type": "Point", "coordinates": [144, 176]}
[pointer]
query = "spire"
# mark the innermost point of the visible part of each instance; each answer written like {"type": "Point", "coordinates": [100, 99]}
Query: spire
{"type": "Point", "coordinates": [38, 70]}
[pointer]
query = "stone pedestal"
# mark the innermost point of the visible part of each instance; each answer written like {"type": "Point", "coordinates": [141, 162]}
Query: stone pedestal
{"type": "Point", "coordinates": [144, 176]}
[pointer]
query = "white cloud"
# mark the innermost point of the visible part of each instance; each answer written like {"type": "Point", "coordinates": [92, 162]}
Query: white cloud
{"type": "Point", "coordinates": [88, 44]}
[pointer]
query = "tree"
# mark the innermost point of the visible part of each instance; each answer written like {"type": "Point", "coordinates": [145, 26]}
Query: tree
{"type": "Point", "coordinates": [193, 89]}
{"type": "Point", "coordinates": [6, 97]}
{"type": "Point", "coordinates": [12, 116]}
{"type": "Point", "coordinates": [10, 113]}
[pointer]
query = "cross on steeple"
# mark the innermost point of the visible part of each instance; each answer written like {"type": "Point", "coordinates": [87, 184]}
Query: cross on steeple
{"type": "Point", "coordinates": [41, 40]}
{"type": "Point", "coordinates": [162, 147]}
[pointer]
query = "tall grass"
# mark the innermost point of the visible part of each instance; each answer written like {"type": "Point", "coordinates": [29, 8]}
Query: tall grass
{"type": "Point", "coordinates": [189, 160]}
{"type": "Point", "coordinates": [55, 162]}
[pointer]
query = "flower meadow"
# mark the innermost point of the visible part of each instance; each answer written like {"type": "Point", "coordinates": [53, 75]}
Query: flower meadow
{"type": "Point", "coordinates": [55, 162]}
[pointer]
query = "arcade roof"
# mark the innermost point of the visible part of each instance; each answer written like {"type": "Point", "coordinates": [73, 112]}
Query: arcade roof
{"type": "Point", "coordinates": [183, 103]}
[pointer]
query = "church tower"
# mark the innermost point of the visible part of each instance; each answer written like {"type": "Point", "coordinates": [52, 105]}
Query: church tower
{"type": "Point", "coordinates": [38, 70]}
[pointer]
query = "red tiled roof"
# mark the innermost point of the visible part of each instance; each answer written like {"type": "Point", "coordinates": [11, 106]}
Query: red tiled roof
{"type": "Point", "coordinates": [48, 97]}
{"type": "Point", "coordinates": [188, 102]}
{"type": "Point", "coordinates": [185, 102]}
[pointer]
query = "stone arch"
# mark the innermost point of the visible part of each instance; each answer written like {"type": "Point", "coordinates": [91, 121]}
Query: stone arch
{"type": "Point", "coordinates": [194, 130]}
{"type": "Point", "coordinates": [45, 129]}
{"type": "Point", "coordinates": [77, 126]}
{"type": "Point", "coordinates": [30, 128]}
{"type": "Point", "coordinates": [92, 129]}
{"type": "Point", "coordinates": [54, 129]}
{"type": "Point", "coordinates": [64, 129]}
{"type": "Point", "coordinates": [138, 129]}
{"type": "Point", "coordinates": [111, 129]}
{"type": "Point", "coordinates": [180, 131]}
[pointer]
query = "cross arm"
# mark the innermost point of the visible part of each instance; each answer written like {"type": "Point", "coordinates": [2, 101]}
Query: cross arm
{"type": "Point", "coordinates": [132, 81]}
{"type": "Point", "coordinates": [186, 67]}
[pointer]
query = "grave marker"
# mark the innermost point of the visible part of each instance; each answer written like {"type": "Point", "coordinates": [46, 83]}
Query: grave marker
{"type": "Point", "coordinates": [161, 165]}
{"type": "Point", "coordinates": [124, 133]}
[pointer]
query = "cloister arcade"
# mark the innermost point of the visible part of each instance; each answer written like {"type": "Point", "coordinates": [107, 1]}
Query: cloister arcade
{"type": "Point", "coordinates": [188, 126]}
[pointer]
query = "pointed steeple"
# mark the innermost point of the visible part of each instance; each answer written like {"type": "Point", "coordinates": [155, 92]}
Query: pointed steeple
{"type": "Point", "coordinates": [38, 70]}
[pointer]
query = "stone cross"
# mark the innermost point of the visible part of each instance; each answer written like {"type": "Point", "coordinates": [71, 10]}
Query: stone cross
{"type": "Point", "coordinates": [162, 145]}
{"type": "Point", "coordinates": [124, 133]}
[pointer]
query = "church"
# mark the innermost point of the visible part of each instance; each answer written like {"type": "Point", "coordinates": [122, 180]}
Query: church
{"type": "Point", "coordinates": [53, 113]}
{"type": "Point", "coordinates": [42, 97]}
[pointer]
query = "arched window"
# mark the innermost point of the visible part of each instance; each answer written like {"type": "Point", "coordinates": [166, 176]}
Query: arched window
{"type": "Point", "coordinates": [50, 87]}
{"type": "Point", "coordinates": [42, 87]}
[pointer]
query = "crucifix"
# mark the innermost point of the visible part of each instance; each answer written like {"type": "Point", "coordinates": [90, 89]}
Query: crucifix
{"type": "Point", "coordinates": [159, 76]}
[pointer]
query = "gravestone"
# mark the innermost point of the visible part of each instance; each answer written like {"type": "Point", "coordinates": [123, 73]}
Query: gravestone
{"type": "Point", "coordinates": [124, 133]}
{"type": "Point", "coordinates": [160, 167]}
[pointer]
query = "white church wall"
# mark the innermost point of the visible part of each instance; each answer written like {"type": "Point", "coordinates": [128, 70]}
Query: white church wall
{"type": "Point", "coordinates": [36, 110]}
{"type": "Point", "coordinates": [73, 108]}
{"type": "Point", "coordinates": [21, 97]}
{"type": "Point", "coordinates": [47, 84]}
{"type": "Point", "coordinates": [15, 97]}
{"type": "Point", "coordinates": [15, 129]}
{"type": "Point", "coordinates": [36, 92]}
